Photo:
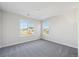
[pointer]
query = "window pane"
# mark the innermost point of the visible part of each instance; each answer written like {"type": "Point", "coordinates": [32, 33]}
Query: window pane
{"type": "Point", "coordinates": [30, 27]}
{"type": "Point", "coordinates": [26, 27]}
{"type": "Point", "coordinates": [45, 28]}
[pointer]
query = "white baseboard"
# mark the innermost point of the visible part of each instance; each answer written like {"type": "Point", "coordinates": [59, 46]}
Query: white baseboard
{"type": "Point", "coordinates": [7, 45]}
{"type": "Point", "coordinates": [62, 43]}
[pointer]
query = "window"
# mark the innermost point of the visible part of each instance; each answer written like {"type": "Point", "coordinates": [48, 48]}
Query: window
{"type": "Point", "coordinates": [45, 28]}
{"type": "Point", "coordinates": [26, 28]}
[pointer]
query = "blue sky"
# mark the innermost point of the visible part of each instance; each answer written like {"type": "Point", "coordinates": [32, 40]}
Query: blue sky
{"type": "Point", "coordinates": [45, 24]}
{"type": "Point", "coordinates": [25, 23]}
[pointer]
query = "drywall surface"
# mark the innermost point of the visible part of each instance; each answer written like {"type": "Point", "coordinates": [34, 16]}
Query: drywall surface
{"type": "Point", "coordinates": [11, 29]}
{"type": "Point", "coordinates": [78, 31]}
{"type": "Point", "coordinates": [63, 29]}
{"type": "Point", "coordinates": [0, 28]}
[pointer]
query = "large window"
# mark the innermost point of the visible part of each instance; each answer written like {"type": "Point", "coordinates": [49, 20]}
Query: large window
{"type": "Point", "coordinates": [45, 28]}
{"type": "Point", "coordinates": [26, 28]}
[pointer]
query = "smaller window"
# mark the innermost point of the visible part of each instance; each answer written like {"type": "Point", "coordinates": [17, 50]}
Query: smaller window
{"type": "Point", "coordinates": [45, 28]}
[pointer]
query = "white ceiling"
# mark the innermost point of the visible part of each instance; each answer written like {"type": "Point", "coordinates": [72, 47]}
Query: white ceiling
{"type": "Point", "coordinates": [37, 10]}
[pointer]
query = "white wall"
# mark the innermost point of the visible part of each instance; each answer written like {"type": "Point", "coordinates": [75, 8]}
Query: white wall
{"type": "Point", "coordinates": [78, 31]}
{"type": "Point", "coordinates": [63, 29]}
{"type": "Point", "coordinates": [11, 30]}
{"type": "Point", "coordinates": [0, 28]}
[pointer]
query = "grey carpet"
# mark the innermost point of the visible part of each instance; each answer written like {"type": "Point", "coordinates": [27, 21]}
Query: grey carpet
{"type": "Point", "coordinates": [38, 48]}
